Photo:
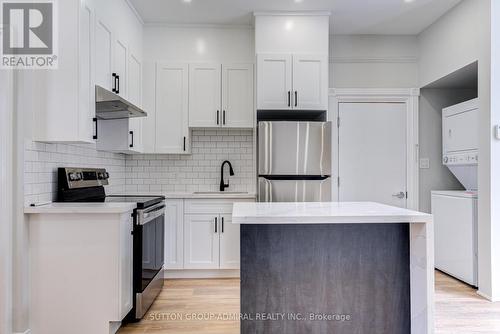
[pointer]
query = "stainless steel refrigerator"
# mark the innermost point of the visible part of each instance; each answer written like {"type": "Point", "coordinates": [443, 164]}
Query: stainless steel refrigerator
{"type": "Point", "coordinates": [294, 161]}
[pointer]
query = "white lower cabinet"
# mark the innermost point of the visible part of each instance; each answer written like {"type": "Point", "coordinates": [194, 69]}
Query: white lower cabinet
{"type": "Point", "coordinates": [201, 242]}
{"type": "Point", "coordinates": [199, 234]}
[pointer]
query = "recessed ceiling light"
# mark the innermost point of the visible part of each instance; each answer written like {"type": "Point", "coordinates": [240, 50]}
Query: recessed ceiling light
{"type": "Point", "coordinates": [188, 1]}
{"type": "Point", "coordinates": [298, 1]}
{"type": "Point", "coordinates": [409, 1]}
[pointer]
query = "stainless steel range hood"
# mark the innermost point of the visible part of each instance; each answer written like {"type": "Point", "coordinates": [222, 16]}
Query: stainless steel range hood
{"type": "Point", "coordinates": [109, 105]}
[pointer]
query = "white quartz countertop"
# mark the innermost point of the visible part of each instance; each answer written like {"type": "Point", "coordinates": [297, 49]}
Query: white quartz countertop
{"type": "Point", "coordinates": [324, 213]}
{"type": "Point", "coordinates": [81, 208]}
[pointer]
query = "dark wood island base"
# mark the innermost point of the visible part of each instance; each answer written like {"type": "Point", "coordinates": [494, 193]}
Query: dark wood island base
{"type": "Point", "coordinates": [325, 278]}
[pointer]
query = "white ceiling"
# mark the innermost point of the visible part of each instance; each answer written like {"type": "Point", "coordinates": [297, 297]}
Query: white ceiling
{"type": "Point", "coordinates": [348, 16]}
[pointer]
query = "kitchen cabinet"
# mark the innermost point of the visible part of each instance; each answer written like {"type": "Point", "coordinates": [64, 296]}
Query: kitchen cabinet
{"type": "Point", "coordinates": [126, 265]}
{"type": "Point", "coordinates": [134, 95]}
{"type": "Point", "coordinates": [221, 95]}
{"type": "Point", "coordinates": [237, 96]}
{"type": "Point", "coordinates": [292, 81]}
{"type": "Point", "coordinates": [103, 54]}
{"type": "Point", "coordinates": [170, 124]}
{"type": "Point", "coordinates": [205, 95]}
{"type": "Point", "coordinates": [61, 102]}
{"type": "Point", "coordinates": [211, 241]}
{"type": "Point", "coordinates": [201, 242]}
{"type": "Point", "coordinates": [274, 81]}
{"type": "Point", "coordinates": [174, 234]}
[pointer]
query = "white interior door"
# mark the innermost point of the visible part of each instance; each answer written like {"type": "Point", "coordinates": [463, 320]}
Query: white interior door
{"type": "Point", "coordinates": [372, 153]}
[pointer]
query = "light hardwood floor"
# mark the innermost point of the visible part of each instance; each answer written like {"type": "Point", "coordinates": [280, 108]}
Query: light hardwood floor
{"type": "Point", "coordinates": [458, 308]}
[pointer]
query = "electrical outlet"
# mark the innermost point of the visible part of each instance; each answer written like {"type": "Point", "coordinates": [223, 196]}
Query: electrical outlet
{"type": "Point", "coordinates": [425, 163]}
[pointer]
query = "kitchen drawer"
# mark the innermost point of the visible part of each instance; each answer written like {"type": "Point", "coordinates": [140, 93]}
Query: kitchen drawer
{"type": "Point", "coordinates": [211, 206]}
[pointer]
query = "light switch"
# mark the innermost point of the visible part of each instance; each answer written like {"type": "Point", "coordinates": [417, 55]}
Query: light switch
{"type": "Point", "coordinates": [425, 163]}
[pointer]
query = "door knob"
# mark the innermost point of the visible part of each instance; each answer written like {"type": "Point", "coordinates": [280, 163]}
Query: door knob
{"type": "Point", "coordinates": [400, 195]}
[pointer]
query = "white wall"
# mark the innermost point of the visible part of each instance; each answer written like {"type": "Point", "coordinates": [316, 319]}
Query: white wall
{"type": "Point", "coordinates": [438, 176]}
{"type": "Point", "coordinates": [460, 37]}
{"type": "Point", "coordinates": [373, 61]}
{"type": "Point", "coordinates": [198, 44]}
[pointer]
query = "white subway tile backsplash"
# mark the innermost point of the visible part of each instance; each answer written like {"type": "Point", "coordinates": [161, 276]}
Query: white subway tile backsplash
{"type": "Point", "coordinates": [199, 171]}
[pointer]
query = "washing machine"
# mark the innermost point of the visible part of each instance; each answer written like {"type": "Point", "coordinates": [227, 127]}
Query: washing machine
{"type": "Point", "coordinates": [455, 212]}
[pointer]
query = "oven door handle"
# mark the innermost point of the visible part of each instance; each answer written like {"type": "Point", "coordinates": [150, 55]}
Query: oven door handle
{"type": "Point", "coordinates": [145, 216]}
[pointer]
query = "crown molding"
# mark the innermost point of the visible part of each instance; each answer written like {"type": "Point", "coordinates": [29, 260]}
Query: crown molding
{"type": "Point", "coordinates": [134, 10]}
{"type": "Point", "coordinates": [198, 25]}
{"type": "Point", "coordinates": [369, 60]}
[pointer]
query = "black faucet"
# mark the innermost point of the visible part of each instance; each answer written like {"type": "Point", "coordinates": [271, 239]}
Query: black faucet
{"type": "Point", "coordinates": [231, 172]}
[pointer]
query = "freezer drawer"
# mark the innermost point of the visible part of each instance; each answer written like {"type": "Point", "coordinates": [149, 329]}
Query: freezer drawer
{"type": "Point", "coordinates": [294, 148]}
{"type": "Point", "coordinates": [282, 190]}
{"type": "Point", "coordinates": [455, 236]}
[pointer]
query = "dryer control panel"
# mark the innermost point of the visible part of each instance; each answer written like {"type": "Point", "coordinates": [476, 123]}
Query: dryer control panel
{"type": "Point", "coordinates": [470, 158]}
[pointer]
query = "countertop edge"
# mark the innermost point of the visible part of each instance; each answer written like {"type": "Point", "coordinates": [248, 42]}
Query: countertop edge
{"type": "Point", "coordinates": [71, 208]}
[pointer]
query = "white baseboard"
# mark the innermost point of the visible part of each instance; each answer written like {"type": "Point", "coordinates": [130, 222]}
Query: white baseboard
{"type": "Point", "coordinates": [28, 331]}
{"type": "Point", "coordinates": [202, 273]}
{"type": "Point", "coordinates": [484, 295]}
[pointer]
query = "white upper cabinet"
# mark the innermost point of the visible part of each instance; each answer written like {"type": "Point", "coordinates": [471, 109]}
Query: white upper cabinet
{"type": "Point", "coordinates": [221, 95]}
{"type": "Point", "coordinates": [119, 75]}
{"type": "Point", "coordinates": [205, 95]}
{"type": "Point", "coordinates": [274, 81]}
{"type": "Point", "coordinates": [237, 96]}
{"type": "Point", "coordinates": [286, 81]}
{"type": "Point", "coordinates": [310, 82]}
{"type": "Point", "coordinates": [103, 54]}
{"type": "Point", "coordinates": [171, 122]}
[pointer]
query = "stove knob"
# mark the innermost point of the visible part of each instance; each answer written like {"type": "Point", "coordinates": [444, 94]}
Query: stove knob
{"type": "Point", "coordinates": [100, 176]}
{"type": "Point", "coordinates": [445, 159]}
{"type": "Point", "coordinates": [106, 175]}
{"type": "Point", "coordinates": [72, 176]}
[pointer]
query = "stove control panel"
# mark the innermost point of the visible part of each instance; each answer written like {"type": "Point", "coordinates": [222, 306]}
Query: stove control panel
{"type": "Point", "coordinates": [467, 158]}
{"type": "Point", "coordinates": [72, 178]}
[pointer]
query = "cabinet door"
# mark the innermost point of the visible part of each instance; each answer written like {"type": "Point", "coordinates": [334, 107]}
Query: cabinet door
{"type": "Point", "coordinates": [274, 81]}
{"type": "Point", "coordinates": [205, 95]}
{"type": "Point", "coordinates": [174, 234]}
{"type": "Point", "coordinates": [126, 258]}
{"type": "Point", "coordinates": [201, 242]}
{"type": "Point", "coordinates": [172, 131]}
{"type": "Point", "coordinates": [229, 243]}
{"type": "Point", "coordinates": [310, 82]}
{"type": "Point", "coordinates": [86, 102]}
{"type": "Point", "coordinates": [134, 79]}
{"type": "Point", "coordinates": [103, 54]}
{"type": "Point", "coordinates": [120, 67]}
{"type": "Point", "coordinates": [237, 96]}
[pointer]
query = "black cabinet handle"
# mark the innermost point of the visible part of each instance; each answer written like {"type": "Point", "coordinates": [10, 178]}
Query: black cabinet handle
{"type": "Point", "coordinates": [223, 117]}
{"type": "Point", "coordinates": [217, 117]}
{"type": "Point", "coordinates": [222, 221]}
{"type": "Point", "coordinates": [95, 123]}
{"type": "Point", "coordinates": [118, 85]}
{"type": "Point", "coordinates": [184, 144]}
{"type": "Point", "coordinates": [289, 98]}
{"type": "Point", "coordinates": [215, 224]}
{"type": "Point", "coordinates": [132, 134]}
{"type": "Point", "coordinates": [114, 82]}
{"type": "Point", "coordinates": [296, 99]}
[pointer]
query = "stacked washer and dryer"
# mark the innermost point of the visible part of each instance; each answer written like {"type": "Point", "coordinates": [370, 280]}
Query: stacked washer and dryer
{"type": "Point", "coordinates": [455, 212]}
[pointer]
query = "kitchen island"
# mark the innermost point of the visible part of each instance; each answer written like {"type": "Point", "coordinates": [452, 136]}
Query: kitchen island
{"type": "Point", "coordinates": [335, 268]}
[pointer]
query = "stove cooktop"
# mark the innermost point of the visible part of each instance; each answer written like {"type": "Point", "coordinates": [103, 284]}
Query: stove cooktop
{"type": "Point", "coordinates": [142, 201]}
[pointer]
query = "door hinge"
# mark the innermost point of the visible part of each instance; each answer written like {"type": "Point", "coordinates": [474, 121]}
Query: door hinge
{"type": "Point", "coordinates": [338, 181]}
{"type": "Point", "coordinates": [338, 122]}
{"type": "Point", "coordinates": [406, 193]}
